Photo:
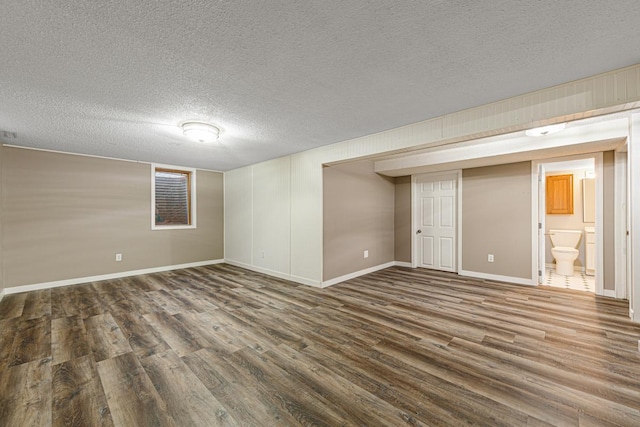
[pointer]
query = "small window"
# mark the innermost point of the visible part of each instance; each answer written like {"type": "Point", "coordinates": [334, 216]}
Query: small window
{"type": "Point", "coordinates": [172, 197]}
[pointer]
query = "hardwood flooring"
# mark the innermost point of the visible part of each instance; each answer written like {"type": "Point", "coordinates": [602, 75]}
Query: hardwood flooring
{"type": "Point", "coordinates": [220, 345]}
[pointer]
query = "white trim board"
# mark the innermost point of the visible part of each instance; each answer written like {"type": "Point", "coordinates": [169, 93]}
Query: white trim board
{"type": "Point", "coordinates": [620, 259]}
{"type": "Point", "coordinates": [499, 278]}
{"type": "Point", "coordinates": [355, 274]}
{"type": "Point", "coordinates": [473, 274]}
{"type": "Point", "coordinates": [633, 176]}
{"type": "Point", "coordinates": [1, 294]}
{"type": "Point", "coordinates": [459, 219]}
{"type": "Point", "coordinates": [296, 279]}
{"type": "Point", "coordinates": [79, 280]}
{"type": "Point", "coordinates": [465, 273]}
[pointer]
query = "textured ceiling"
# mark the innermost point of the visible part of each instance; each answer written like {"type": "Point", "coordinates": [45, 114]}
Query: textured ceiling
{"type": "Point", "coordinates": [114, 77]}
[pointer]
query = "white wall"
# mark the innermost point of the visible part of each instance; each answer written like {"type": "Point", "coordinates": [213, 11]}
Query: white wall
{"type": "Point", "coordinates": [605, 93]}
{"type": "Point", "coordinates": [238, 214]}
{"type": "Point", "coordinates": [258, 208]}
{"type": "Point", "coordinates": [272, 215]}
{"type": "Point", "coordinates": [634, 217]}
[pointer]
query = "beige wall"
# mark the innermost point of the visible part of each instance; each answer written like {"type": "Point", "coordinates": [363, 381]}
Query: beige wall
{"type": "Point", "coordinates": [495, 196]}
{"type": "Point", "coordinates": [496, 219]}
{"type": "Point", "coordinates": [402, 219]}
{"type": "Point", "coordinates": [358, 215]}
{"type": "Point", "coordinates": [66, 216]}
{"type": "Point", "coordinates": [569, 222]}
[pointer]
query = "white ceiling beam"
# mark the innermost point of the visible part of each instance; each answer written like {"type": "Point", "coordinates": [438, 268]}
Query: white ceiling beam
{"type": "Point", "coordinates": [575, 139]}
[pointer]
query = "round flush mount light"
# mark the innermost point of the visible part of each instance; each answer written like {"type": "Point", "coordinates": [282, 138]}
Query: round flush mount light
{"type": "Point", "coordinates": [200, 131]}
{"type": "Point", "coordinates": [545, 130]}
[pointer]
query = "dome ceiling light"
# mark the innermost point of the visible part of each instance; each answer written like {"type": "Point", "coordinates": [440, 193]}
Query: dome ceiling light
{"type": "Point", "coordinates": [545, 130]}
{"type": "Point", "coordinates": [200, 131]}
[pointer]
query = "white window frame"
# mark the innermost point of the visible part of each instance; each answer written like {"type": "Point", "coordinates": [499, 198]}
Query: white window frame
{"type": "Point", "coordinates": [192, 193]}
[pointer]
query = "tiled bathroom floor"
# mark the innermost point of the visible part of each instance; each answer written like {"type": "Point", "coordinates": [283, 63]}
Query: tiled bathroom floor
{"type": "Point", "coordinates": [579, 281]}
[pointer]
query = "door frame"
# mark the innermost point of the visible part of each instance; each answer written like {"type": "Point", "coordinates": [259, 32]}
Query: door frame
{"type": "Point", "coordinates": [538, 242]}
{"type": "Point", "coordinates": [621, 203]}
{"type": "Point", "coordinates": [541, 270]}
{"type": "Point", "coordinates": [415, 216]}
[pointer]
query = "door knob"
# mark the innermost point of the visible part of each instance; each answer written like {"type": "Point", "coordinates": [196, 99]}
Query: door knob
{"type": "Point", "coordinates": [419, 231]}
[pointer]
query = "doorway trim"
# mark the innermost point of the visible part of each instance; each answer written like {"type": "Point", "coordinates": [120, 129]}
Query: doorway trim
{"type": "Point", "coordinates": [535, 211]}
{"type": "Point", "coordinates": [621, 257]}
{"type": "Point", "coordinates": [415, 211]}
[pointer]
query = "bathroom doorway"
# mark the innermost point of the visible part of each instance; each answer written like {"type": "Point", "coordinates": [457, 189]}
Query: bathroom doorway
{"type": "Point", "coordinates": [568, 222]}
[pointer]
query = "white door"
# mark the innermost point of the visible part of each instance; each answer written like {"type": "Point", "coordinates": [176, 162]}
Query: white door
{"type": "Point", "coordinates": [435, 226]}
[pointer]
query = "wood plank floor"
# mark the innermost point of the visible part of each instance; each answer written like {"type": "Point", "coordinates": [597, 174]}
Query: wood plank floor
{"type": "Point", "coordinates": [220, 345]}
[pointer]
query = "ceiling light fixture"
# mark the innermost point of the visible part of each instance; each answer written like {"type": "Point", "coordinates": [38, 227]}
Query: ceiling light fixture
{"type": "Point", "coordinates": [200, 131]}
{"type": "Point", "coordinates": [545, 130]}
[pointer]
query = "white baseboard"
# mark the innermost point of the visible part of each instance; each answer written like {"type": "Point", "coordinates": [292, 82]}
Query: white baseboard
{"type": "Point", "coordinates": [1, 294]}
{"type": "Point", "coordinates": [609, 293]}
{"type": "Point", "coordinates": [305, 281]}
{"type": "Point", "coordinates": [274, 273]}
{"type": "Point", "coordinates": [499, 278]}
{"type": "Point", "coordinates": [315, 284]}
{"type": "Point", "coordinates": [403, 264]}
{"type": "Point", "coordinates": [67, 282]}
{"type": "Point", "coordinates": [509, 279]}
{"type": "Point", "coordinates": [355, 274]}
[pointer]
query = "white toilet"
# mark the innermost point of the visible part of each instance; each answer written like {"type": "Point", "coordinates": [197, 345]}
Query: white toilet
{"type": "Point", "coordinates": [564, 249]}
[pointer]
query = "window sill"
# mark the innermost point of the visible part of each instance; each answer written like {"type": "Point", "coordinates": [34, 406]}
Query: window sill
{"type": "Point", "coordinates": [172, 227]}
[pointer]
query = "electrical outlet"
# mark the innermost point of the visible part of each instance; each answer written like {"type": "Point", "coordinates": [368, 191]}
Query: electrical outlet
{"type": "Point", "coordinates": [262, 255]}
{"type": "Point", "coordinates": [490, 257]}
{"type": "Point", "coordinates": [118, 257]}
{"type": "Point", "coordinates": [366, 254]}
